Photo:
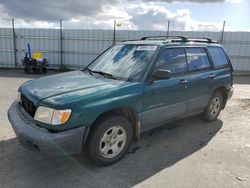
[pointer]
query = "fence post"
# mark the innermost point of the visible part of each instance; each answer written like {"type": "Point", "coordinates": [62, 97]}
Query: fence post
{"type": "Point", "coordinates": [61, 46]}
{"type": "Point", "coordinates": [114, 37]}
{"type": "Point", "coordinates": [14, 42]}
{"type": "Point", "coordinates": [168, 28]}
{"type": "Point", "coordinates": [222, 33]}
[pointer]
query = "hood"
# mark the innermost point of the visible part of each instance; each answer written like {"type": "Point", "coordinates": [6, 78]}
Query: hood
{"type": "Point", "coordinates": [64, 83]}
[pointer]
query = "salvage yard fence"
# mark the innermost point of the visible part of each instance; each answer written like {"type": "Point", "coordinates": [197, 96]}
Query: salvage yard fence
{"type": "Point", "coordinates": [76, 48]}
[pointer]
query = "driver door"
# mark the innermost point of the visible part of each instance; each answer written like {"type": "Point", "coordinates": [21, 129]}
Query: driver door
{"type": "Point", "coordinates": [166, 99]}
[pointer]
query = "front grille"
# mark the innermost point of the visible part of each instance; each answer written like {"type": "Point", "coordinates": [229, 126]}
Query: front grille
{"type": "Point", "coordinates": [28, 105]}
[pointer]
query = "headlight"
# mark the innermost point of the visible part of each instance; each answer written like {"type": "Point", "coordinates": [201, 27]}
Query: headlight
{"type": "Point", "coordinates": [52, 116]}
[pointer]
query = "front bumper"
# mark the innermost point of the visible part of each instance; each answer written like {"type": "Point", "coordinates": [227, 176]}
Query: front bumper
{"type": "Point", "coordinates": [35, 138]}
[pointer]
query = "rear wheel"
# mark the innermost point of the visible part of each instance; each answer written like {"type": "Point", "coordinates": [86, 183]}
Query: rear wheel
{"type": "Point", "coordinates": [109, 140]}
{"type": "Point", "coordinates": [214, 107]}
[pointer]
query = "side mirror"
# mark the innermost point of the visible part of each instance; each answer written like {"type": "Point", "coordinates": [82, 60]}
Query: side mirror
{"type": "Point", "coordinates": [161, 74]}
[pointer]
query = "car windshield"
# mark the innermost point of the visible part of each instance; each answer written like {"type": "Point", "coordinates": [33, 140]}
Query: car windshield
{"type": "Point", "coordinates": [124, 61]}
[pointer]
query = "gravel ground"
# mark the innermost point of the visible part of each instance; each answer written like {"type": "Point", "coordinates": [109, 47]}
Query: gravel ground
{"type": "Point", "coordinates": [185, 153]}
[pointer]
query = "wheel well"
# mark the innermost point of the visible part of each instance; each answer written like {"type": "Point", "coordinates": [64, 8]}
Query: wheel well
{"type": "Point", "coordinates": [125, 112]}
{"type": "Point", "coordinates": [223, 91]}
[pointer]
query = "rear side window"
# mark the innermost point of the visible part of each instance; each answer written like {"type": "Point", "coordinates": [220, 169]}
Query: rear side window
{"type": "Point", "coordinates": [173, 60]}
{"type": "Point", "coordinates": [197, 59]}
{"type": "Point", "coordinates": [218, 56]}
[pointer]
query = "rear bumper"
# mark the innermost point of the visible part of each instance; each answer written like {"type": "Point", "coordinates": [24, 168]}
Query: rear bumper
{"type": "Point", "coordinates": [230, 93]}
{"type": "Point", "coordinates": [37, 139]}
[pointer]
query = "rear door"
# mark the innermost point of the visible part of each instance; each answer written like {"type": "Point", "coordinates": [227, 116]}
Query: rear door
{"type": "Point", "coordinates": [222, 67]}
{"type": "Point", "coordinates": [166, 99]}
{"type": "Point", "coordinates": [201, 78]}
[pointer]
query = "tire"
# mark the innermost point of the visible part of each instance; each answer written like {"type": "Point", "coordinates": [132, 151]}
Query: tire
{"type": "Point", "coordinates": [214, 107]}
{"type": "Point", "coordinates": [109, 140]}
{"type": "Point", "coordinates": [34, 69]}
{"type": "Point", "coordinates": [26, 70]}
{"type": "Point", "coordinates": [44, 70]}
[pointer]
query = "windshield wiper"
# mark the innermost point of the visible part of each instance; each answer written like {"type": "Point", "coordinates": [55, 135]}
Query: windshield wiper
{"type": "Point", "coordinates": [107, 75]}
{"type": "Point", "coordinates": [89, 71]}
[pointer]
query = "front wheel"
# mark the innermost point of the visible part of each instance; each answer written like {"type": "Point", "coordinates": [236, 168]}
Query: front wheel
{"type": "Point", "coordinates": [214, 107]}
{"type": "Point", "coordinates": [109, 140]}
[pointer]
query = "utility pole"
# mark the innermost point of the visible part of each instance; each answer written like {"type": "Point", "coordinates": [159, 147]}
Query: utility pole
{"type": "Point", "coordinates": [222, 33]}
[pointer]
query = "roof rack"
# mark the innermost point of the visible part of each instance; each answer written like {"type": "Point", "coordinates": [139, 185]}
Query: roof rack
{"type": "Point", "coordinates": [209, 40]}
{"type": "Point", "coordinates": [202, 40]}
{"type": "Point", "coordinates": [183, 39]}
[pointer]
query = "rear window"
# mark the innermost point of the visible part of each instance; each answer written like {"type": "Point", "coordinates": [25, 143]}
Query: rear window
{"type": "Point", "coordinates": [218, 56]}
{"type": "Point", "coordinates": [197, 59]}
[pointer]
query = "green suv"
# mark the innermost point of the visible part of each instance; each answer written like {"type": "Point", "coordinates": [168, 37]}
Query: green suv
{"type": "Point", "coordinates": [132, 87]}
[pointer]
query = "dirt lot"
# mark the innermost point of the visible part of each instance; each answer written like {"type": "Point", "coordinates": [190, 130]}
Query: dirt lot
{"type": "Point", "coordinates": [186, 153]}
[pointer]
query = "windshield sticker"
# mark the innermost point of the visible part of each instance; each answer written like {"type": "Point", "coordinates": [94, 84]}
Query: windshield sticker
{"type": "Point", "coordinates": [142, 48]}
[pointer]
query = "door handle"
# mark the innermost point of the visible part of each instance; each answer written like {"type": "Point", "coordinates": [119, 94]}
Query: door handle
{"type": "Point", "coordinates": [211, 76]}
{"type": "Point", "coordinates": [182, 82]}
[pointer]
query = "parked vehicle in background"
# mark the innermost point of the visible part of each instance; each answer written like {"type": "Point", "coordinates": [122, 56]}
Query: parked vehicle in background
{"type": "Point", "coordinates": [132, 87]}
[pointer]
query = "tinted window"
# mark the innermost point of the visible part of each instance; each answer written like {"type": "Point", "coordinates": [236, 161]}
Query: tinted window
{"type": "Point", "coordinates": [173, 60]}
{"type": "Point", "coordinates": [197, 59]}
{"type": "Point", "coordinates": [218, 56]}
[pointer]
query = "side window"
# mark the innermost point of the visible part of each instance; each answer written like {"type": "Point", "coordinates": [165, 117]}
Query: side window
{"type": "Point", "coordinates": [197, 59]}
{"type": "Point", "coordinates": [218, 56]}
{"type": "Point", "coordinates": [173, 60]}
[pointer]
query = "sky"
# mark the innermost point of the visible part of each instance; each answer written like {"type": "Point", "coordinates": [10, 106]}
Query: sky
{"type": "Point", "coordinates": [185, 15]}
